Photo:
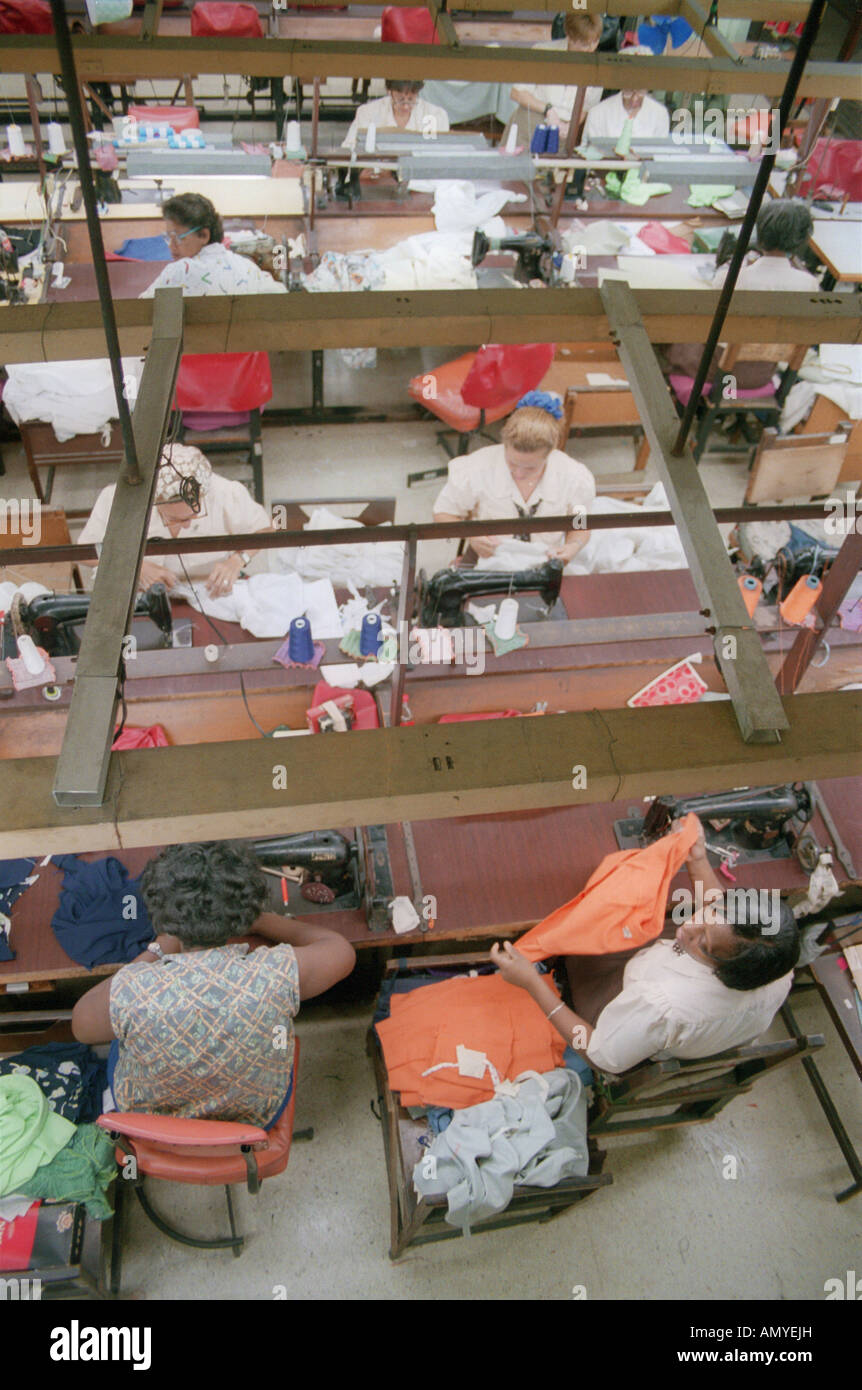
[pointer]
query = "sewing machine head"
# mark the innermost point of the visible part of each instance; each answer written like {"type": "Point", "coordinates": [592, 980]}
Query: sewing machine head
{"type": "Point", "coordinates": [538, 256]}
{"type": "Point", "coordinates": [442, 598]}
{"type": "Point", "coordinates": [754, 822]}
{"type": "Point", "coordinates": [324, 870]}
{"type": "Point", "coordinates": [56, 621]}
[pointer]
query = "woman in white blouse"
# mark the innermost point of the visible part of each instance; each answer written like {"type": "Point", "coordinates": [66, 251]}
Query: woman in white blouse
{"type": "Point", "coordinates": [401, 109]}
{"type": "Point", "coordinates": [201, 263]}
{"type": "Point", "coordinates": [526, 475]}
{"type": "Point", "coordinates": [715, 986]}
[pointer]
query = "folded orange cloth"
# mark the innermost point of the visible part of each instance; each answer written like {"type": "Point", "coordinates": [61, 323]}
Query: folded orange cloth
{"type": "Point", "coordinates": [622, 906]}
{"type": "Point", "coordinates": [483, 1013]}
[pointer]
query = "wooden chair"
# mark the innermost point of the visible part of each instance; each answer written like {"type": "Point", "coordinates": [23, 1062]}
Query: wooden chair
{"type": "Point", "coordinates": [825, 418]}
{"type": "Point", "coordinates": [767, 401]}
{"type": "Point", "coordinates": [419, 1221]}
{"type": "Point", "coordinates": [376, 511]}
{"type": "Point", "coordinates": [43, 449]}
{"type": "Point", "coordinates": [61, 576]}
{"type": "Point", "coordinates": [796, 465]}
{"type": "Point", "coordinates": [687, 1092]}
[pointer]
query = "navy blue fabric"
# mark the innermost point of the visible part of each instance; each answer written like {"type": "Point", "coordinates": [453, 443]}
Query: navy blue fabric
{"type": "Point", "coordinates": [13, 873]}
{"type": "Point", "coordinates": [76, 1091]}
{"type": "Point", "coordinates": [89, 923]}
{"type": "Point", "coordinates": [146, 248]}
{"type": "Point", "coordinates": [114, 1057]}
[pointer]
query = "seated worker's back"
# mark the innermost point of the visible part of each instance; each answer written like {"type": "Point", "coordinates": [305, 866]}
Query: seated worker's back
{"type": "Point", "coordinates": [197, 1033]}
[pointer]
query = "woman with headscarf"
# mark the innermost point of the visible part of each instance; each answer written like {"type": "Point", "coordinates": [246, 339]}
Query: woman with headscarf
{"type": "Point", "coordinates": [192, 500]}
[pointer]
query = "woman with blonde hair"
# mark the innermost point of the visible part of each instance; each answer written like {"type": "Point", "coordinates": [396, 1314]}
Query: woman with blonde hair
{"type": "Point", "coordinates": [526, 475]}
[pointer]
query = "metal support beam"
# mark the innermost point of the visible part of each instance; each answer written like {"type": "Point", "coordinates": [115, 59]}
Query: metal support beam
{"type": "Point", "coordinates": [429, 772]}
{"type": "Point", "coordinates": [427, 318]}
{"type": "Point", "coordinates": [99, 59]}
{"type": "Point", "coordinates": [738, 652]}
{"type": "Point", "coordinates": [82, 767]}
{"type": "Point", "coordinates": [841, 574]}
{"type": "Point", "coordinates": [715, 41]}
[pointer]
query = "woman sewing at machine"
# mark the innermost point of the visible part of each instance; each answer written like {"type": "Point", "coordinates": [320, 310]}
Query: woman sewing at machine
{"type": "Point", "coordinates": [401, 109]}
{"type": "Point", "coordinates": [199, 1026]}
{"type": "Point", "coordinates": [191, 499]}
{"type": "Point", "coordinates": [201, 263]}
{"type": "Point", "coordinates": [553, 104]}
{"type": "Point", "coordinates": [526, 475]}
{"type": "Point", "coordinates": [711, 987]}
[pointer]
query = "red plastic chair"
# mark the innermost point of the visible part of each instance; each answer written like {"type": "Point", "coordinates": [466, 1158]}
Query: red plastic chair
{"type": "Point", "coordinates": [407, 25]}
{"type": "Point", "coordinates": [177, 117]}
{"type": "Point", "coordinates": [204, 1153]}
{"type": "Point", "coordinates": [225, 391]}
{"type": "Point", "coordinates": [211, 18]}
{"type": "Point", "coordinates": [467, 397]}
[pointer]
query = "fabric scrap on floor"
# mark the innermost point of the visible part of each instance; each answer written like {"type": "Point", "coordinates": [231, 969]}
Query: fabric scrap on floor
{"type": "Point", "coordinates": [536, 1138]}
{"type": "Point", "coordinates": [622, 905]}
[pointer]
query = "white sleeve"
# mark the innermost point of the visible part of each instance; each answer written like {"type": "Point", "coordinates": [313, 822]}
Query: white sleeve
{"type": "Point", "coordinates": [97, 522]}
{"type": "Point", "coordinates": [632, 1027]}
{"type": "Point", "coordinates": [170, 276]}
{"type": "Point", "coordinates": [242, 513]}
{"type": "Point", "coordinates": [581, 491]}
{"type": "Point", "coordinates": [459, 496]}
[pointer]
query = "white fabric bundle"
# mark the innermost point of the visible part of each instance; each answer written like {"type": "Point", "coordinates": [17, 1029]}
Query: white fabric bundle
{"type": "Point", "coordinates": [74, 397]}
{"type": "Point", "coordinates": [266, 604]}
{"type": "Point", "coordinates": [365, 564]}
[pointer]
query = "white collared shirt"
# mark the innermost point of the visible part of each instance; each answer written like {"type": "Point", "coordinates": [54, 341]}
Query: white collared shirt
{"type": "Point", "coordinates": [561, 98]}
{"type": "Point", "coordinates": [481, 488]}
{"type": "Point", "coordinates": [769, 273]}
{"type": "Point", "coordinates": [425, 119]}
{"type": "Point", "coordinates": [677, 1004]}
{"type": "Point", "coordinates": [214, 270]}
{"type": "Point", "coordinates": [229, 508]}
{"type": "Point", "coordinates": [606, 121]}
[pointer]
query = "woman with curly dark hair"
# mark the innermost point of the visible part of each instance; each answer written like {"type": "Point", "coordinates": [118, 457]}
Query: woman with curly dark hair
{"type": "Point", "coordinates": [200, 1026]}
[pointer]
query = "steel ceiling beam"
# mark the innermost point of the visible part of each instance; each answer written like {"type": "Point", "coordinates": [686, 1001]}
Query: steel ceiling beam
{"type": "Point", "coordinates": [427, 318]}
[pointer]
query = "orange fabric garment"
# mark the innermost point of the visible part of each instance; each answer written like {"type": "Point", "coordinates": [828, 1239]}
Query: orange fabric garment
{"type": "Point", "coordinates": [622, 906]}
{"type": "Point", "coordinates": [484, 1013]}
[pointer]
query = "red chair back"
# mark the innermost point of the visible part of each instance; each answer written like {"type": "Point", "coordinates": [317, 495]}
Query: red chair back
{"type": "Point", "coordinates": [25, 17]}
{"type": "Point", "coordinates": [223, 381]}
{"type": "Point", "coordinates": [835, 167]}
{"type": "Point", "coordinates": [177, 117]}
{"type": "Point", "coordinates": [503, 373]}
{"type": "Point", "coordinates": [211, 18]}
{"type": "Point", "coordinates": [407, 25]}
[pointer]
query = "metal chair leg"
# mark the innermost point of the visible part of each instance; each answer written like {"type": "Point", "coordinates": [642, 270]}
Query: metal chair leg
{"type": "Point", "coordinates": [233, 1242]}
{"type": "Point", "coordinates": [116, 1270]}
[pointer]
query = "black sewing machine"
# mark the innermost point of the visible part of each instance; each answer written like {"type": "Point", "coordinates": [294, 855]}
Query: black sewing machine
{"type": "Point", "coordinates": [56, 621]}
{"type": "Point", "coordinates": [536, 254]}
{"type": "Point", "coordinates": [441, 600]}
{"type": "Point", "coordinates": [752, 823]}
{"type": "Point", "coordinates": [10, 274]}
{"type": "Point", "coordinates": [324, 871]}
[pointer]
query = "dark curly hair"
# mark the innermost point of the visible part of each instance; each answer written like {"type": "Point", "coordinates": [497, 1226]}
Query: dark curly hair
{"type": "Point", "coordinates": [203, 893]}
{"type": "Point", "coordinates": [762, 957]}
{"type": "Point", "coordinates": [194, 210]}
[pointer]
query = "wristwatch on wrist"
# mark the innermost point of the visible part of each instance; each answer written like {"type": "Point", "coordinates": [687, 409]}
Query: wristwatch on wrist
{"type": "Point", "coordinates": [245, 559]}
{"type": "Point", "coordinates": [548, 108]}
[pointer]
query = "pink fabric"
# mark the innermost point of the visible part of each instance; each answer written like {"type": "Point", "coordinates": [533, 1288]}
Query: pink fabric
{"type": "Point", "coordinates": [683, 385]}
{"type": "Point", "coordinates": [215, 420]}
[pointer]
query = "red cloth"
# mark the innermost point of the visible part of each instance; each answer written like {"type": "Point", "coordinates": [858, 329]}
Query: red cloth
{"type": "Point", "coordinates": [622, 906]}
{"type": "Point", "coordinates": [504, 373]}
{"type": "Point", "coordinates": [137, 736]}
{"type": "Point", "coordinates": [17, 1238]}
{"type": "Point", "coordinates": [212, 17]}
{"type": "Point", "coordinates": [834, 167]}
{"type": "Point", "coordinates": [484, 1013]}
{"type": "Point", "coordinates": [177, 117]}
{"type": "Point", "coordinates": [659, 239]}
{"type": "Point", "coordinates": [25, 17]}
{"type": "Point", "coordinates": [224, 381]}
{"type": "Point", "coordinates": [407, 25]}
{"type": "Point", "coordinates": [364, 704]}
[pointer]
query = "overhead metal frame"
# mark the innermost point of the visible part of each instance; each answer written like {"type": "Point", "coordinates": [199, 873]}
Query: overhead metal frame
{"type": "Point", "coordinates": [738, 651]}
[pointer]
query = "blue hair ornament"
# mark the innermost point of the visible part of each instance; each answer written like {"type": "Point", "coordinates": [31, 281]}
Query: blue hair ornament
{"type": "Point", "coordinates": [542, 400]}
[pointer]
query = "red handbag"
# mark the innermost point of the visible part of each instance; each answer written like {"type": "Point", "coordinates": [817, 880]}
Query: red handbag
{"type": "Point", "coordinates": [503, 373]}
{"type": "Point", "coordinates": [212, 18]}
{"type": "Point", "coordinates": [25, 17]}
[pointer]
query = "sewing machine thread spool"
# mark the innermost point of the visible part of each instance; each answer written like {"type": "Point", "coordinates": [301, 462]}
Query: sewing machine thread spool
{"type": "Point", "coordinates": [370, 635]}
{"type": "Point", "coordinates": [15, 138]}
{"type": "Point", "coordinates": [300, 643]}
{"type": "Point", "coordinates": [293, 137]}
{"type": "Point", "coordinates": [56, 141]}
{"type": "Point", "coordinates": [506, 620]}
{"type": "Point", "coordinates": [33, 662]}
{"type": "Point", "coordinates": [512, 139]}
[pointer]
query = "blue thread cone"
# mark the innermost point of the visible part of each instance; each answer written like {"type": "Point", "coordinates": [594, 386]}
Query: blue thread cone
{"type": "Point", "coordinates": [553, 142]}
{"type": "Point", "coordinates": [369, 637]}
{"type": "Point", "coordinates": [300, 643]}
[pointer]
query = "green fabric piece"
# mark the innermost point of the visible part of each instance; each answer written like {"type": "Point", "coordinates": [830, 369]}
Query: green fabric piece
{"type": "Point", "coordinates": [624, 144]}
{"type": "Point", "coordinates": [703, 195]}
{"type": "Point", "coordinates": [349, 643]}
{"type": "Point", "coordinates": [30, 1133]}
{"type": "Point", "coordinates": [632, 190]}
{"type": "Point", "coordinates": [501, 646]}
{"type": "Point", "coordinates": [80, 1172]}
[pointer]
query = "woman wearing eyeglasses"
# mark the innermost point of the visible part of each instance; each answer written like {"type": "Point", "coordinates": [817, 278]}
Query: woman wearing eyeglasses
{"type": "Point", "coordinates": [401, 109]}
{"type": "Point", "coordinates": [189, 500]}
{"type": "Point", "coordinates": [201, 263]}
